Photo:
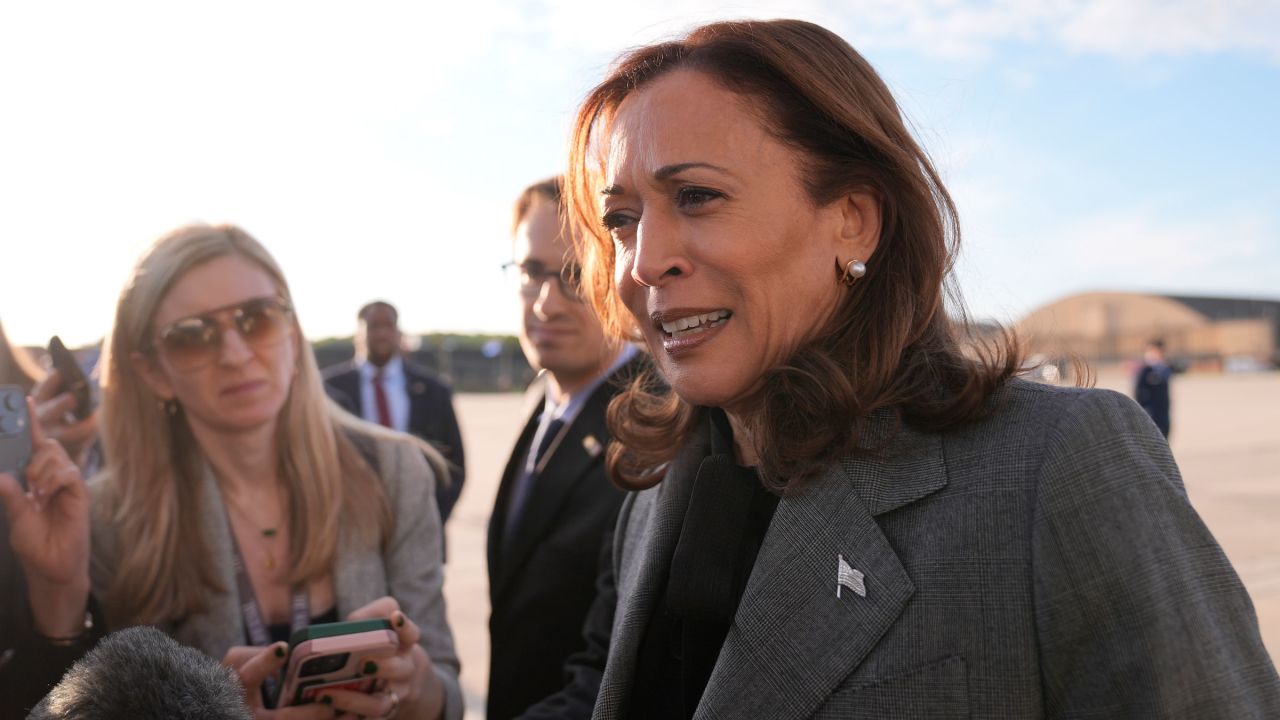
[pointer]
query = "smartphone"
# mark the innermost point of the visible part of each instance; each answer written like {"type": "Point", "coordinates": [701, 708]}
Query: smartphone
{"type": "Point", "coordinates": [15, 432]}
{"type": "Point", "coordinates": [332, 656]}
{"type": "Point", "coordinates": [73, 378]}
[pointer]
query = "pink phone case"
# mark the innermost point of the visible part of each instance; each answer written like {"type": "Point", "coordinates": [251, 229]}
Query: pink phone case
{"type": "Point", "coordinates": [360, 648]}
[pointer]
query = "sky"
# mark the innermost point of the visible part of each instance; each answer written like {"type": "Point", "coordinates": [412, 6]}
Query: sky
{"type": "Point", "coordinates": [376, 148]}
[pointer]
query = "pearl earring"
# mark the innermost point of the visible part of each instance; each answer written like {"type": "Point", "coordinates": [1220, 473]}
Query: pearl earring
{"type": "Point", "coordinates": [853, 270]}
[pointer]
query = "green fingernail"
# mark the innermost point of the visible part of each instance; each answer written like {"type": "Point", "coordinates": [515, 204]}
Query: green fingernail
{"type": "Point", "coordinates": [370, 667]}
{"type": "Point", "coordinates": [279, 651]}
{"type": "Point", "coordinates": [327, 700]}
{"type": "Point", "coordinates": [400, 620]}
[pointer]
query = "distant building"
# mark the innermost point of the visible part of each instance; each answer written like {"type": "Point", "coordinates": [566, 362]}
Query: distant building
{"type": "Point", "coordinates": [1206, 332]}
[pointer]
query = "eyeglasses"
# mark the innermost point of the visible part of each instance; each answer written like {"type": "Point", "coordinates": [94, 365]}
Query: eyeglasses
{"type": "Point", "coordinates": [533, 275]}
{"type": "Point", "coordinates": [194, 342]}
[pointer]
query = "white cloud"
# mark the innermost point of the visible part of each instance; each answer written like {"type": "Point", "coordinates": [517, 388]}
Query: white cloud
{"type": "Point", "coordinates": [1143, 247]}
{"type": "Point", "coordinates": [321, 126]}
{"type": "Point", "coordinates": [1144, 28]}
{"type": "Point", "coordinates": [945, 28]}
{"type": "Point", "coordinates": [1232, 253]}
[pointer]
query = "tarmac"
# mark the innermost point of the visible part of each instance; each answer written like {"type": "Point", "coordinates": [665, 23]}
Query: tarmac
{"type": "Point", "coordinates": [1225, 438]}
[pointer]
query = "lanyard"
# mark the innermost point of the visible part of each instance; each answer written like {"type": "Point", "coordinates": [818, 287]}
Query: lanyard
{"type": "Point", "coordinates": [254, 625]}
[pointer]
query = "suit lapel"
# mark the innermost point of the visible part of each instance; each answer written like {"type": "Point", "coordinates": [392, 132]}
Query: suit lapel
{"type": "Point", "coordinates": [580, 450]}
{"type": "Point", "coordinates": [534, 397]}
{"type": "Point", "coordinates": [357, 390]}
{"type": "Point", "coordinates": [793, 641]}
{"type": "Point", "coordinates": [416, 389]}
{"type": "Point", "coordinates": [221, 625]}
{"type": "Point", "coordinates": [499, 564]}
{"type": "Point", "coordinates": [647, 533]}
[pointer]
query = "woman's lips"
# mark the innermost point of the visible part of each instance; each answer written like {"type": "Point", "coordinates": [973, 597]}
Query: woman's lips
{"type": "Point", "coordinates": [684, 329]}
{"type": "Point", "coordinates": [244, 387]}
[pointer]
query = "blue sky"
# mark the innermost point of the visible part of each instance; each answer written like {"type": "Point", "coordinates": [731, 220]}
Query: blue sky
{"type": "Point", "coordinates": [376, 148]}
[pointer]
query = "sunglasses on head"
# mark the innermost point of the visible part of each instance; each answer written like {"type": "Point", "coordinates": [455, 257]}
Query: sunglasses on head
{"type": "Point", "coordinates": [193, 342]}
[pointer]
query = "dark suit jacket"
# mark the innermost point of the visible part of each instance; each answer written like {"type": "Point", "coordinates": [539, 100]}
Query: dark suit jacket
{"type": "Point", "coordinates": [431, 418]}
{"type": "Point", "coordinates": [542, 582]}
{"type": "Point", "coordinates": [1042, 562]}
{"type": "Point", "coordinates": [1151, 390]}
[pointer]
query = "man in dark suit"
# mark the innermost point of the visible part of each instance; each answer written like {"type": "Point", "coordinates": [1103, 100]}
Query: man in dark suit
{"type": "Point", "coordinates": [1151, 387]}
{"type": "Point", "coordinates": [379, 386]}
{"type": "Point", "coordinates": [556, 507]}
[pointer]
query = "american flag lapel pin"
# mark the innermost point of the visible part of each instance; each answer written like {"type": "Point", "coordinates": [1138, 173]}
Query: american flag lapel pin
{"type": "Point", "coordinates": [849, 577]}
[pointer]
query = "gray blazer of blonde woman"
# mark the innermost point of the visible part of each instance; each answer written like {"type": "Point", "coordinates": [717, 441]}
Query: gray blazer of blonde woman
{"type": "Point", "coordinates": [1042, 562]}
{"type": "Point", "coordinates": [409, 569]}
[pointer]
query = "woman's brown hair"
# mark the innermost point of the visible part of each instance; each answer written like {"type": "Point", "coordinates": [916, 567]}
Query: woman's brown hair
{"type": "Point", "coordinates": [890, 342]}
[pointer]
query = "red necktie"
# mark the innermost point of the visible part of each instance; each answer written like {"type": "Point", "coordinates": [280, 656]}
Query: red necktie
{"type": "Point", "coordinates": [380, 400]}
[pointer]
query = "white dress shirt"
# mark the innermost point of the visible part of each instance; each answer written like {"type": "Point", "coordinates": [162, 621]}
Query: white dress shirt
{"type": "Point", "coordinates": [395, 387]}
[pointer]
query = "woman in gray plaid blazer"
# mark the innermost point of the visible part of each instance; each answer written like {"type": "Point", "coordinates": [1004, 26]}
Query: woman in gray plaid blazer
{"type": "Point", "coordinates": [841, 512]}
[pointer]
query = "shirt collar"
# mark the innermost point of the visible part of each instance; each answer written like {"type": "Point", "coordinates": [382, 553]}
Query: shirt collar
{"type": "Point", "coordinates": [569, 410]}
{"type": "Point", "coordinates": [393, 370]}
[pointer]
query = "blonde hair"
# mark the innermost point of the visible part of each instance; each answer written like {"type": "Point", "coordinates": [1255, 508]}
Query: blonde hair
{"type": "Point", "coordinates": [154, 466]}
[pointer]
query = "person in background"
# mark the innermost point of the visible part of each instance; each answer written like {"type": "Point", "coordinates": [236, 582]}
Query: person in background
{"type": "Point", "coordinates": [140, 673]}
{"type": "Point", "coordinates": [843, 509]}
{"type": "Point", "coordinates": [1151, 385]}
{"type": "Point", "coordinates": [237, 504]}
{"type": "Point", "coordinates": [53, 405]}
{"type": "Point", "coordinates": [46, 622]}
{"type": "Point", "coordinates": [555, 506]}
{"type": "Point", "coordinates": [381, 386]}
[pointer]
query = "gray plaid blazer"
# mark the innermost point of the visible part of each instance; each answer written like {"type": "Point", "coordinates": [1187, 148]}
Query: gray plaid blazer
{"type": "Point", "coordinates": [409, 568]}
{"type": "Point", "coordinates": [1041, 562]}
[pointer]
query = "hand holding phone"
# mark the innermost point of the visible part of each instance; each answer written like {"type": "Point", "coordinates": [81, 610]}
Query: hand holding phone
{"type": "Point", "coordinates": [408, 683]}
{"type": "Point", "coordinates": [335, 656]}
{"type": "Point", "coordinates": [15, 433]}
{"type": "Point", "coordinates": [48, 517]}
{"type": "Point", "coordinates": [65, 405]}
{"type": "Point", "coordinates": [74, 380]}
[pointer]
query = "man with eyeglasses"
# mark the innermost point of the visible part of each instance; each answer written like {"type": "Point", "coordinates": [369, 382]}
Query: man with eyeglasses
{"type": "Point", "coordinates": [380, 386]}
{"type": "Point", "coordinates": [555, 510]}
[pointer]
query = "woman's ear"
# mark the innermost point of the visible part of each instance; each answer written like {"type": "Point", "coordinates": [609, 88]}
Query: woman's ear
{"type": "Point", "coordinates": [152, 374]}
{"type": "Point", "coordinates": [860, 226]}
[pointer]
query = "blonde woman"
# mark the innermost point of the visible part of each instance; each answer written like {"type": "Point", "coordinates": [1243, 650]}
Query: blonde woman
{"type": "Point", "coordinates": [237, 503]}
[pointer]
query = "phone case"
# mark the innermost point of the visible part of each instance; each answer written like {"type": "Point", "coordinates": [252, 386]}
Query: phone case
{"type": "Point", "coordinates": [15, 432]}
{"type": "Point", "coordinates": [73, 378]}
{"type": "Point", "coordinates": [332, 656]}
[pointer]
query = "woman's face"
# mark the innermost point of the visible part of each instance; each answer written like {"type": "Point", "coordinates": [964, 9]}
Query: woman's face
{"type": "Point", "coordinates": [721, 257]}
{"type": "Point", "coordinates": [242, 382]}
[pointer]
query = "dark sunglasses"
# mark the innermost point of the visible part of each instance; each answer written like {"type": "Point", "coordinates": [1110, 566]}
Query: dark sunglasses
{"type": "Point", "coordinates": [194, 342]}
{"type": "Point", "coordinates": [532, 275]}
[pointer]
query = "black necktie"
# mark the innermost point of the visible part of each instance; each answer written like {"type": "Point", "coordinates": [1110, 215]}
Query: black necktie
{"type": "Point", "coordinates": [524, 481]}
{"type": "Point", "coordinates": [553, 431]}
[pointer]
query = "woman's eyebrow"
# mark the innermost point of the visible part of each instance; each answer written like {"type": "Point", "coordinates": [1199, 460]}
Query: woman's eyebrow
{"type": "Point", "coordinates": [666, 172]}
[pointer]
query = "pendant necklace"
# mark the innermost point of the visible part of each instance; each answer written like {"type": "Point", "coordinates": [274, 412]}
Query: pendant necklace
{"type": "Point", "coordinates": [268, 535]}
